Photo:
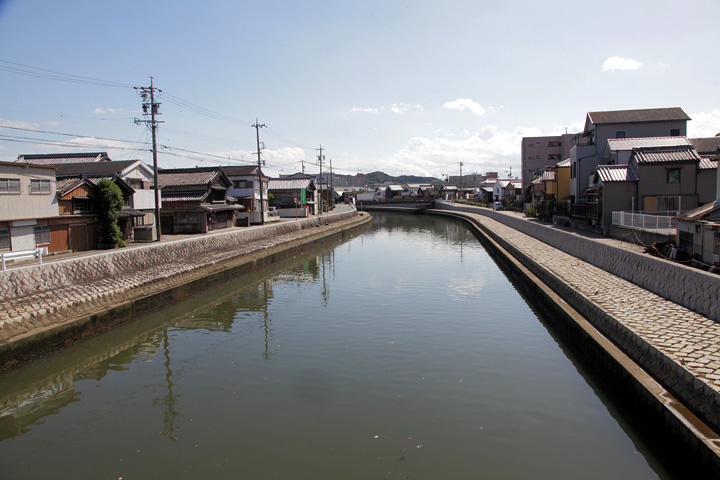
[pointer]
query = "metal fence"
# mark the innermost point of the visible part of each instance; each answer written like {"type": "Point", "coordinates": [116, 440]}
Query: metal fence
{"type": "Point", "coordinates": [642, 221]}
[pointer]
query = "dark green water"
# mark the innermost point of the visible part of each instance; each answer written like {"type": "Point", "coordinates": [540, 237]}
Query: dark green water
{"type": "Point", "coordinates": [402, 353]}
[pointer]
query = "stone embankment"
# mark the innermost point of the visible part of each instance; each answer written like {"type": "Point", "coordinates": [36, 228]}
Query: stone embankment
{"type": "Point", "coordinates": [621, 292]}
{"type": "Point", "coordinates": [43, 307]}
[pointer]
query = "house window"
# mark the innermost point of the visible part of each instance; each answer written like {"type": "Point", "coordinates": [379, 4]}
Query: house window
{"type": "Point", "coordinates": [10, 185]}
{"type": "Point", "coordinates": [668, 204]}
{"type": "Point", "coordinates": [716, 243]}
{"type": "Point", "coordinates": [242, 183]}
{"type": "Point", "coordinates": [554, 156]}
{"type": "Point", "coordinates": [572, 170]}
{"type": "Point", "coordinates": [672, 175]}
{"type": "Point", "coordinates": [675, 132]}
{"type": "Point", "coordinates": [42, 235]}
{"type": "Point", "coordinates": [620, 134]}
{"type": "Point", "coordinates": [82, 205]}
{"type": "Point", "coordinates": [554, 144]}
{"type": "Point", "coordinates": [5, 239]}
{"type": "Point", "coordinates": [40, 186]}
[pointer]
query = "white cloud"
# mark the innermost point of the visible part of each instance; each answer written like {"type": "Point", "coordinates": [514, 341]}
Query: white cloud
{"type": "Point", "coordinates": [363, 110]}
{"type": "Point", "coordinates": [575, 127]}
{"type": "Point", "coordinates": [704, 124]}
{"type": "Point", "coordinates": [18, 124]}
{"type": "Point", "coordinates": [396, 108]}
{"type": "Point", "coordinates": [619, 63]}
{"type": "Point", "coordinates": [400, 108]}
{"type": "Point", "coordinates": [465, 104]}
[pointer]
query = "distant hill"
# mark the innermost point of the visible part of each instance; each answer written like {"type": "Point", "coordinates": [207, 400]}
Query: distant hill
{"type": "Point", "coordinates": [382, 177]}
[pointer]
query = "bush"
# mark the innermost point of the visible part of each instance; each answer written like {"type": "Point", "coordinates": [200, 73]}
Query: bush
{"type": "Point", "coordinates": [111, 202]}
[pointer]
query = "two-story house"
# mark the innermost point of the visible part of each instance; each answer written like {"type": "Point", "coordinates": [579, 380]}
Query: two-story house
{"type": "Point", "coordinates": [246, 187]}
{"type": "Point", "coordinates": [29, 215]}
{"type": "Point", "coordinates": [139, 212]}
{"type": "Point", "coordinates": [589, 146]}
{"type": "Point", "coordinates": [296, 191]}
{"type": "Point", "coordinates": [196, 200]}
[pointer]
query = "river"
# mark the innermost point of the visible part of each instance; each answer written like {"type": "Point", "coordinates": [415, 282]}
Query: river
{"type": "Point", "coordinates": [404, 352]}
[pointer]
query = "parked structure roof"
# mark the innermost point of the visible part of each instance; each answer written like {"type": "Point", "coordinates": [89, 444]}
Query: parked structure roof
{"type": "Point", "coordinates": [709, 212]}
{"type": "Point", "coordinates": [564, 164]}
{"type": "Point", "coordinates": [616, 173]}
{"type": "Point", "coordinates": [548, 176]}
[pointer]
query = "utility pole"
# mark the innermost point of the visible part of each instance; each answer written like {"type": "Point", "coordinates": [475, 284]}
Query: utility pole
{"type": "Point", "coordinates": [331, 185]}
{"type": "Point", "coordinates": [257, 127]}
{"type": "Point", "coordinates": [303, 165]}
{"type": "Point", "coordinates": [320, 159]}
{"type": "Point", "coordinates": [461, 181]}
{"type": "Point", "coordinates": [151, 109]}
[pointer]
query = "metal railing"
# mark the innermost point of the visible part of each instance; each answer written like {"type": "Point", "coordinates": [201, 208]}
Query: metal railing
{"type": "Point", "coordinates": [642, 221]}
{"type": "Point", "coordinates": [23, 254]}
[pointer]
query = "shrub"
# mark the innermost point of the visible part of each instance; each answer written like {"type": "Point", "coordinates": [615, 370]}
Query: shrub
{"type": "Point", "coordinates": [111, 202]}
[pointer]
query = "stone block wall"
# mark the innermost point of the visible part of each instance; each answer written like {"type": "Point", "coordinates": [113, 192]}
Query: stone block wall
{"type": "Point", "coordinates": [33, 279]}
{"type": "Point", "coordinates": [694, 289]}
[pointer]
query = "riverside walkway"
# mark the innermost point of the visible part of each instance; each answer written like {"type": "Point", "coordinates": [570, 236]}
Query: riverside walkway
{"type": "Point", "coordinates": [679, 347]}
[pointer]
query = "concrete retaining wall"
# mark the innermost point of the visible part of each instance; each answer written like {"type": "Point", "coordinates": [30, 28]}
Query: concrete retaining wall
{"type": "Point", "coordinates": [662, 413]}
{"type": "Point", "coordinates": [694, 289]}
{"type": "Point", "coordinates": [33, 279]}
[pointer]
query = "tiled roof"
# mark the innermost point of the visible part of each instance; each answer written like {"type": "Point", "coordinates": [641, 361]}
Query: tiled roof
{"type": "Point", "coordinates": [663, 155]}
{"type": "Point", "coordinates": [94, 168]}
{"type": "Point", "coordinates": [184, 196]}
{"type": "Point", "coordinates": [65, 185]}
{"type": "Point", "coordinates": [187, 176]}
{"type": "Point", "coordinates": [638, 116]}
{"type": "Point", "coordinates": [241, 171]}
{"type": "Point", "coordinates": [616, 173]}
{"type": "Point", "coordinates": [63, 158]}
{"type": "Point", "coordinates": [645, 142]}
{"type": "Point", "coordinates": [706, 146]}
{"type": "Point", "coordinates": [707, 164]}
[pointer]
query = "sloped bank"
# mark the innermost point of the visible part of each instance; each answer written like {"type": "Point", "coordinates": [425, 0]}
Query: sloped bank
{"type": "Point", "coordinates": [54, 305]}
{"type": "Point", "coordinates": [661, 415]}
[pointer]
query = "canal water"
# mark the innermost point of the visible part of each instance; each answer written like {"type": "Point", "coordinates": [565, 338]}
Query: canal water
{"type": "Point", "coordinates": [404, 352]}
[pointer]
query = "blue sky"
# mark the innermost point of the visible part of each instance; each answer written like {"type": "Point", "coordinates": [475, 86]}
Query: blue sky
{"type": "Point", "coordinates": [411, 87]}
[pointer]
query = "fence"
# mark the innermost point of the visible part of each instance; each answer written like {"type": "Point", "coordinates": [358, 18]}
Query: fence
{"type": "Point", "coordinates": [641, 221]}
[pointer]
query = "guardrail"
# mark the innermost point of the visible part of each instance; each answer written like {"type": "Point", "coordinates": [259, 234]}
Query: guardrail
{"type": "Point", "coordinates": [23, 254]}
{"type": "Point", "coordinates": [641, 221]}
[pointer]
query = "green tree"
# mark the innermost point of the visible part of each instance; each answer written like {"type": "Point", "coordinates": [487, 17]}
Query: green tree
{"type": "Point", "coordinates": [111, 202]}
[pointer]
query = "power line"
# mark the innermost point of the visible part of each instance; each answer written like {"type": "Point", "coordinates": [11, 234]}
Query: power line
{"type": "Point", "coordinates": [60, 76]}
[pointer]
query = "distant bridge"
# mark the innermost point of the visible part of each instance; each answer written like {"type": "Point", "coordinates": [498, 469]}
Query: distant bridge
{"type": "Point", "coordinates": [405, 207]}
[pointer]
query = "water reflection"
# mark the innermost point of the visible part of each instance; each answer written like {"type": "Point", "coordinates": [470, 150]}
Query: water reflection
{"type": "Point", "coordinates": [29, 395]}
